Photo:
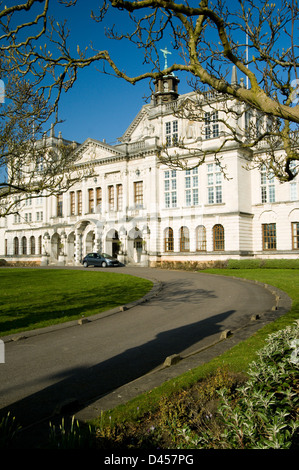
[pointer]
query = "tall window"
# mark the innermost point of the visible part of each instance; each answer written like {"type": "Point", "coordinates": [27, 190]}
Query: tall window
{"type": "Point", "coordinates": [79, 202]}
{"type": "Point", "coordinates": [295, 235]}
{"type": "Point", "coordinates": [138, 193]}
{"type": "Point", "coordinates": [111, 197]}
{"type": "Point", "coordinates": [40, 164]}
{"type": "Point", "coordinates": [99, 200]}
{"type": "Point", "coordinates": [211, 125]}
{"type": "Point", "coordinates": [184, 239]}
{"type": "Point", "coordinates": [191, 187]}
{"type": "Point", "coordinates": [16, 246]}
{"type": "Point", "coordinates": [169, 240]}
{"type": "Point", "coordinates": [269, 236]}
{"type": "Point", "coordinates": [293, 191]}
{"type": "Point", "coordinates": [24, 246]}
{"type": "Point", "coordinates": [119, 197]}
{"type": "Point", "coordinates": [214, 184]}
{"type": "Point", "coordinates": [170, 188]}
{"type": "Point", "coordinates": [218, 237]}
{"type": "Point", "coordinates": [32, 245]}
{"type": "Point", "coordinates": [267, 186]}
{"type": "Point", "coordinates": [72, 203]}
{"type": "Point", "coordinates": [91, 201]}
{"type": "Point", "coordinates": [201, 238]}
{"type": "Point", "coordinates": [59, 205]}
{"type": "Point", "coordinates": [171, 131]}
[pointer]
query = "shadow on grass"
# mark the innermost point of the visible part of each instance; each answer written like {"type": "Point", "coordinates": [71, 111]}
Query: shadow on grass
{"type": "Point", "coordinates": [27, 303]}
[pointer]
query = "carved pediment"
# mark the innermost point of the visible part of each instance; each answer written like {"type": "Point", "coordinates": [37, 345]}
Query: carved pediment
{"type": "Point", "coordinates": [140, 127]}
{"type": "Point", "coordinates": [94, 150]}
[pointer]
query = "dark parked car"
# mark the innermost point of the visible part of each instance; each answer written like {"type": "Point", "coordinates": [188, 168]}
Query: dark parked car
{"type": "Point", "coordinates": [99, 259]}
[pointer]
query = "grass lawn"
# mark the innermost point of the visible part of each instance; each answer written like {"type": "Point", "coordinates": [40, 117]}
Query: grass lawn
{"type": "Point", "coordinates": [35, 298]}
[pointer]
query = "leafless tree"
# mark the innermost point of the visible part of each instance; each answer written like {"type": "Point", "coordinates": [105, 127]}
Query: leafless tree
{"type": "Point", "coordinates": [31, 164]}
{"type": "Point", "coordinates": [258, 38]}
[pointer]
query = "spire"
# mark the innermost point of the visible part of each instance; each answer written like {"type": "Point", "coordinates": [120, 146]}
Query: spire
{"type": "Point", "coordinates": [234, 80]}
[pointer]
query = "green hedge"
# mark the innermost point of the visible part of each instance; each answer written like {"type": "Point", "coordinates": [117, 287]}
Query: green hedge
{"type": "Point", "coordinates": [259, 263]}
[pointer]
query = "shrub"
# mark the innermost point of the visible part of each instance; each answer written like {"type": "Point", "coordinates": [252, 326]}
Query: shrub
{"type": "Point", "coordinates": [264, 413]}
{"type": "Point", "coordinates": [281, 263]}
{"type": "Point", "coordinates": [8, 431]}
{"type": "Point", "coordinates": [259, 263]}
{"type": "Point", "coordinates": [244, 263]}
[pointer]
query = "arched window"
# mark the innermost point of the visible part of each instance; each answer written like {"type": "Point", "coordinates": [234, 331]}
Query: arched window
{"type": "Point", "coordinates": [184, 239]}
{"type": "Point", "coordinates": [16, 246]}
{"type": "Point", "coordinates": [168, 239]}
{"type": "Point", "coordinates": [218, 237]}
{"type": "Point", "coordinates": [201, 238]}
{"type": "Point", "coordinates": [24, 246]}
{"type": "Point", "coordinates": [32, 245]}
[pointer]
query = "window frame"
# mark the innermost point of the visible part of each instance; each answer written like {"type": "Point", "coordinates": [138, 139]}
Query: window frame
{"type": "Point", "coordinates": [295, 235]}
{"type": "Point", "coordinates": [138, 193]}
{"type": "Point", "coordinates": [269, 236]}
{"type": "Point", "coordinates": [169, 239]}
{"type": "Point", "coordinates": [201, 238]}
{"type": "Point", "coordinates": [184, 239]}
{"type": "Point", "coordinates": [218, 237]}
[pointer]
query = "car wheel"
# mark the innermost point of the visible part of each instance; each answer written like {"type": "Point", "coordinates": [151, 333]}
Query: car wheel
{"type": "Point", "coordinates": [85, 264]}
{"type": "Point", "coordinates": [104, 264]}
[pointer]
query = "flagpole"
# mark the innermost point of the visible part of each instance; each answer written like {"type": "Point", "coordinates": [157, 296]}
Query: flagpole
{"type": "Point", "coordinates": [247, 83]}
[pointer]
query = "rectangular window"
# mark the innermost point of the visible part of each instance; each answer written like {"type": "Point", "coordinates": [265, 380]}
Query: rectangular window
{"type": "Point", "coordinates": [293, 192]}
{"type": "Point", "coordinates": [170, 185]}
{"type": "Point", "coordinates": [72, 203]}
{"type": "Point", "coordinates": [214, 184]}
{"type": "Point", "coordinates": [111, 197]}
{"type": "Point", "coordinates": [207, 126]}
{"type": "Point", "coordinates": [191, 187]}
{"type": "Point", "coordinates": [269, 236]}
{"type": "Point", "coordinates": [39, 216]}
{"type": "Point", "coordinates": [211, 125]}
{"type": "Point", "coordinates": [175, 135]}
{"type": "Point", "coordinates": [171, 132]}
{"type": "Point", "coordinates": [267, 186]}
{"type": "Point", "coordinates": [99, 200]}
{"type": "Point", "coordinates": [79, 202]}
{"type": "Point", "coordinates": [295, 235]}
{"type": "Point", "coordinates": [215, 124]}
{"type": "Point", "coordinates": [59, 205]}
{"type": "Point", "coordinates": [119, 197]}
{"type": "Point", "coordinates": [91, 201]}
{"type": "Point", "coordinates": [138, 193]}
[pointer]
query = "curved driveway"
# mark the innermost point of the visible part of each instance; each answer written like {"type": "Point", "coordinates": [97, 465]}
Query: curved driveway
{"type": "Point", "coordinates": [83, 362]}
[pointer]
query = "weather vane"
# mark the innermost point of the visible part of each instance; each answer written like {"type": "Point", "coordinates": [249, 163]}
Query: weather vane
{"type": "Point", "coordinates": [165, 53]}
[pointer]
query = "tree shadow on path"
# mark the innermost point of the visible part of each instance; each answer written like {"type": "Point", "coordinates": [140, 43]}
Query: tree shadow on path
{"type": "Point", "coordinates": [86, 384]}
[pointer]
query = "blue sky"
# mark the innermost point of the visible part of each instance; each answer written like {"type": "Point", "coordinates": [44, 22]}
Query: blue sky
{"type": "Point", "coordinates": [102, 106]}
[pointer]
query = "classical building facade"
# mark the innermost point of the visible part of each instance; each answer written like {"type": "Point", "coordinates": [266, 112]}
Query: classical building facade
{"type": "Point", "coordinates": [137, 207]}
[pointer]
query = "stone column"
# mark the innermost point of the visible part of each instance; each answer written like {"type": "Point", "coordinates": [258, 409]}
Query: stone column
{"type": "Point", "coordinates": [78, 246]}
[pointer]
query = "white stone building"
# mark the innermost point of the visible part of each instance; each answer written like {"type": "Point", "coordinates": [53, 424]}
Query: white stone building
{"type": "Point", "coordinates": [138, 208]}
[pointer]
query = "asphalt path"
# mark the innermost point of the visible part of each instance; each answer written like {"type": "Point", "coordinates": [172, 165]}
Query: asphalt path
{"type": "Point", "coordinates": [80, 363]}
